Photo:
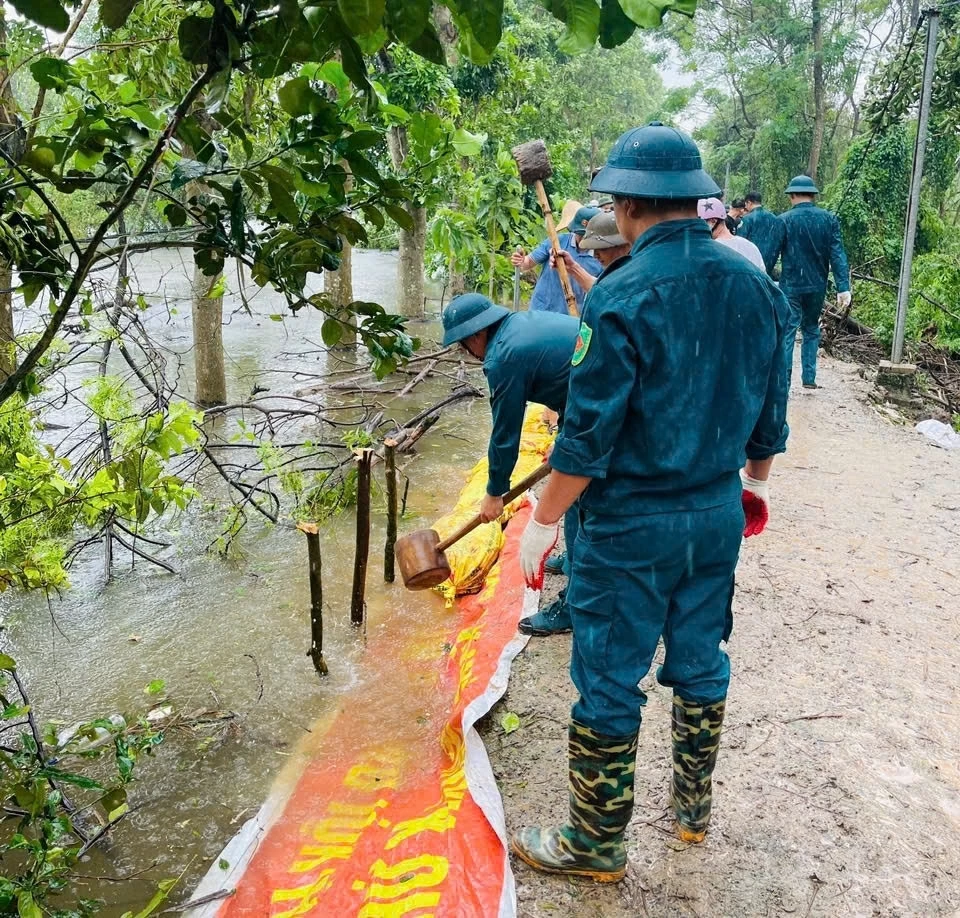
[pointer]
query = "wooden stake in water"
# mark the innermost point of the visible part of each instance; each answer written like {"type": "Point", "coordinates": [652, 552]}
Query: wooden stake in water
{"type": "Point", "coordinates": [316, 597]}
{"type": "Point", "coordinates": [390, 464]}
{"type": "Point", "coordinates": [357, 603]}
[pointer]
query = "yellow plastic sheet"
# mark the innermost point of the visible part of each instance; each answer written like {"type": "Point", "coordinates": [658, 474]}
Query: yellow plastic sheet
{"type": "Point", "coordinates": [472, 557]}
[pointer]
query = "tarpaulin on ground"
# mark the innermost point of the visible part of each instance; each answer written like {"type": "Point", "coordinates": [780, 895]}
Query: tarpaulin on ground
{"type": "Point", "coordinates": [400, 822]}
{"type": "Point", "coordinates": [472, 557]}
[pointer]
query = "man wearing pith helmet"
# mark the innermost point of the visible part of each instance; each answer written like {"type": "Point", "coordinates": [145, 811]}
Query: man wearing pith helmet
{"type": "Point", "coordinates": [676, 408]}
{"type": "Point", "coordinates": [812, 248]}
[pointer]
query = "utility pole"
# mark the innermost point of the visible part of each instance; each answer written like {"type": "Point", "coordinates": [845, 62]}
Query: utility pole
{"type": "Point", "coordinates": [913, 202]}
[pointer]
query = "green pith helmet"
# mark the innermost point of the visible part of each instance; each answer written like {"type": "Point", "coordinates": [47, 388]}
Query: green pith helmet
{"type": "Point", "coordinates": [467, 314]}
{"type": "Point", "coordinates": [578, 225]}
{"type": "Point", "coordinates": [802, 184]}
{"type": "Point", "coordinates": [655, 162]}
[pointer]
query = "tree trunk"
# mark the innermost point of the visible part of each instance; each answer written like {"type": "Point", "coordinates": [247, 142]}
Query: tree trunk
{"type": "Point", "coordinates": [410, 286]}
{"type": "Point", "coordinates": [208, 341]}
{"type": "Point", "coordinates": [819, 101]}
{"type": "Point", "coordinates": [338, 285]}
{"type": "Point", "coordinates": [413, 242]}
{"type": "Point", "coordinates": [447, 33]}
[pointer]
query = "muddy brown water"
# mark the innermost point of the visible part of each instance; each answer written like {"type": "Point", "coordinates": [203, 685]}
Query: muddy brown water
{"type": "Point", "coordinates": [220, 631]}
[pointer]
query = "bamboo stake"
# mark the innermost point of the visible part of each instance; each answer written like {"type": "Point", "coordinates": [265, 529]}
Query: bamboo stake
{"type": "Point", "coordinates": [390, 462]}
{"type": "Point", "coordinates": [316, 597]}
{"type": "Point", "coordinates": [357, 604]}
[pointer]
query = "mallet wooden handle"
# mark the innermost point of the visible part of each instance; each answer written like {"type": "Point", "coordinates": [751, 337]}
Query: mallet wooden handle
{"type": "Point", "coordinates": [518, 489]}
{"type": "Point", "coordinates": [561, 264]}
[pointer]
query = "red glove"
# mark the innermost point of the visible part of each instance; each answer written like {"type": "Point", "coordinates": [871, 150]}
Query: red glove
{"type": "Point", "coordinates": [536, 543]}
{"type": "Point", "coordinates": [756, 504]}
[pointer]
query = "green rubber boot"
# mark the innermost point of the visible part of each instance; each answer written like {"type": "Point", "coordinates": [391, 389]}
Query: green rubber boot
{"type": "Point", "coordinates": [696, 739]}
{"type": "Point", "coordinates": [590, 843]}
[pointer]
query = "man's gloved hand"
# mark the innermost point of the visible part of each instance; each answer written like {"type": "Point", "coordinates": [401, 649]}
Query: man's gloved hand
{"type": "Point", "coordinates": [490, 508]}
{"type": "Point", "coordinates": [536, 544]}
{"type": "Point", "coordinates": [756, 504]}
{"type": "Point", "coordinates": [843, 299]}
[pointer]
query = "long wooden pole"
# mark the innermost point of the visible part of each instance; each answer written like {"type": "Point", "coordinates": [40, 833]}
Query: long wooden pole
{"type": "Point", "coordinates": [555, 241]}
{"type": "Point", "coordinates": [390, 464]}
{"type": "Point", "coordinates": [357, 603]}
{"type": "Point", "coordinates": [316, 597]}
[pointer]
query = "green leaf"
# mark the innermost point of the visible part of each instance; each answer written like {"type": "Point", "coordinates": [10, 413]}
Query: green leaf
{"type": "Point", "coordinates": [43, 159]}
{"type": "Point", "coordinates": [297, 96]}
{"type": "Point", "coordinates": [399, 216]}
{"type": "Point", "coordinates": [282, 201]}
{"type": "Point", "coordinates": [175, 214]}
{"type": "Point", "coordinates": [427, 45]}
{"type": "Point", "coordinates": [7, 663]}
{"type": "Point", "coordinates": [362, 140]}
{"type": "Point", "coordinates": [114, 13]}
{"type": "Point", "coordinates": [81, 781]}
{"type": "Point", "coordinates": [615, 26]}
{"type": "Point", "coordinates": [648, 14]}
{"type": "Point", "coordinates": [26, 907]}
{"type": "Point", "coordinates": [185, 171]}
{"type": "Point", "coordinates": [485, 18]}
{"type": "Point", "coordinates": [509, 722]}
{"type": "Point", "coordinates": [156, 687]}
{"type": "Point", "coordinates": [362, 16]}
{"type": "Point", "coordinates": [467, 144]}
{"type": "Point", "coordinates": [331, 331]}
{"type": "Point", "coordinates": [332, 72]}
{"type": "Point", "coordinates": [355, 67]}
{"type": "Point", "coordinates": [159, 897]}
{"type": "Point", "coordinates": [223, 864]}
{"type": "Point", "coordinates": [582, 18]}
{"type": "Point", "coordinates": [408, 18]}
{"type": "Point", "coordinates": [54, 73]}
{"type": "Point", "coordinates": [48, 13]}
{"type": "Point", "coordinates": [193, 36]}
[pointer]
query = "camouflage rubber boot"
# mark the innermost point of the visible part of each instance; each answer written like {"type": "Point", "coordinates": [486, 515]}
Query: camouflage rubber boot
{"type": "Point", "coordinates": [590, 843]}
{"type": "Point", "coordinates": [696, 739]}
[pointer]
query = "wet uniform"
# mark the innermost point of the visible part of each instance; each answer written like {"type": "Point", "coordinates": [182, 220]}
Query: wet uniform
{"type": "Point", "coordinates": [679, 375]}
{"type": "Point", "coordinates": [527, 360]}
{"type": "Point", "coordinates": [548, 294]}
{"type": "Point", "coordinates": [812, 247]}
{"type": "Point", "coordinates": [765, 230]}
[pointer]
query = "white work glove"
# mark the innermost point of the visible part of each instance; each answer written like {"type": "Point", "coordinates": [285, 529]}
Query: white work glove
{"type": "Point", "coordinates": [756, 504]}
{"type": "Point", "coordinates": [536, 544]}
{"type": "Point", "coordinates": [843, 299]}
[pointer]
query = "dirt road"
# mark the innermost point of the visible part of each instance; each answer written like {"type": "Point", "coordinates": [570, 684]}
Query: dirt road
{"type": "Point", "coordinates": [837, 790]}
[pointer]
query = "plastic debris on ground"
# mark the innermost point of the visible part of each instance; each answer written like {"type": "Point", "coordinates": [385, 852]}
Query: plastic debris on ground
{"type": "Point", "coordinates": [942, 435]}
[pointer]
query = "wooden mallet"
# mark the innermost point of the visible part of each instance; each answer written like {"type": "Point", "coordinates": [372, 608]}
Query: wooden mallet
{"type": "Point", "coordinates": [534, 165]}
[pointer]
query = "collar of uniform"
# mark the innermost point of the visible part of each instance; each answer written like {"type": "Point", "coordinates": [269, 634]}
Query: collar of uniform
{"type": "Point", "coordinates": [668, 228]}
{"type": "Point", "coordinates": [803, 204]}
{"type": "Point", "coordinates": [494, 340]}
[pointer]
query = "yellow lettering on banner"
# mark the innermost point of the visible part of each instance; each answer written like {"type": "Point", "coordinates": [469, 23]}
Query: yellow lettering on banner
{"type": "Point", "coordinates": [439, 820]}
{"type": "Point", "coordinates": [398, 909]}
{"type": "Point", "coordinates": [372, 777]}
{"type": "Point", "coordinates": [465, 648]}
{"type": "Point", "coordinates": [319, 855]}
{"type": "Point", "coordinates": [401, 880]}
{"type": "Point", "coordinates": [305, 896]}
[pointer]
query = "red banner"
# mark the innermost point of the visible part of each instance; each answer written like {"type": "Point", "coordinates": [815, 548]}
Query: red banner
{"type": "Point", "coordinates": [385, 822]}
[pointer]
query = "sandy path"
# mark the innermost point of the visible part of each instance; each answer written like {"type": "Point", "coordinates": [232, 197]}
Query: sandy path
{"type": "Point", "coordinates": [838, 785]}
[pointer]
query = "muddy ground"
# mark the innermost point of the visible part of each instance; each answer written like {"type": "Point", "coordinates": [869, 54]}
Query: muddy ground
{"type": "Point", "coordinates": [837, 790]}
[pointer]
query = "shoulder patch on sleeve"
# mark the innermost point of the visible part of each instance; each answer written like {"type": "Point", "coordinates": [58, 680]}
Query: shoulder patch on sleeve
{"type": "Point", "coordinates": [583, 343]}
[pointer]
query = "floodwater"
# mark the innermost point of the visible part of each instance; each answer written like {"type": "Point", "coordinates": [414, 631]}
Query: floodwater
{"type": "Point", "coordinates": [231, 635]}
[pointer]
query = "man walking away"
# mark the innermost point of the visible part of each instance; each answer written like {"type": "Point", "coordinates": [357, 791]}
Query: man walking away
{"type": "Point", "coordinates": [711, 210]}
{"type": "Point", "coordinates": [764, 229]}
{"type": "Point", "coordinates": [812, 248]}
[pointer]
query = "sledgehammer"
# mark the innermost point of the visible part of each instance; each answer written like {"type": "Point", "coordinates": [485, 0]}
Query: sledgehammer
{"type": "Point", "coordinates": [534, 165]}
{"type": "Point", "coordinates": [420, 555]}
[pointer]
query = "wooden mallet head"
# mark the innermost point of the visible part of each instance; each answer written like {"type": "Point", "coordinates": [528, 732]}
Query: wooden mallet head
{"type": "Point", "coordinates": [533, 162]}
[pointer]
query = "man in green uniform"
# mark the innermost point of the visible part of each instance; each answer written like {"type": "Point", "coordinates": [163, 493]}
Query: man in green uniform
{"type": "Point", "coordinates": [677, 406]}
{"type": "Point", "coordinates": [526, 358]}
{"type": "Point", "coordinates": [764, 229]}
{"type": "Point", "coordinates": [812, 248]}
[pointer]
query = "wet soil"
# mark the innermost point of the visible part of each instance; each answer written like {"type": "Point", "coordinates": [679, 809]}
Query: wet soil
{"type": "Point", "coordinates": [837, 791]}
